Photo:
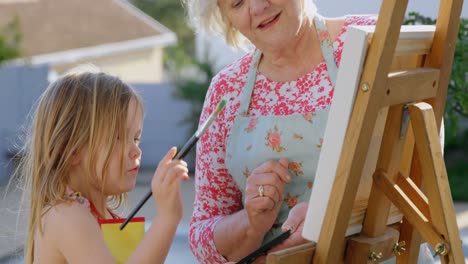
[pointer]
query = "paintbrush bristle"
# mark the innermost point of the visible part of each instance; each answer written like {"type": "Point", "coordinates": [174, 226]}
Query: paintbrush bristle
{"type": "Point", "coordinates": [220, 106]}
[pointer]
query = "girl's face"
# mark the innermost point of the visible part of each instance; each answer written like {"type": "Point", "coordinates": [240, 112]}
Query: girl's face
{"type": "Point", "coordinates": [119, 181]}
{"type": "Point", "coordinates": [266, 23]}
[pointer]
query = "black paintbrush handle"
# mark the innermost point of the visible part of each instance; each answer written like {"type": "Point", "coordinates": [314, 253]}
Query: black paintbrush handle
{"type": "Point", "coordinates": [263, 250]}
{"type": "Point", "coordinates": [187, 147]}
{"type": "Point", "coordinates": [182, 153]}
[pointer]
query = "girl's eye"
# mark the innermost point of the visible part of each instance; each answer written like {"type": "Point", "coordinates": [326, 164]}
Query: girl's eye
{"type": "Point", "coordinates": [137, 140]}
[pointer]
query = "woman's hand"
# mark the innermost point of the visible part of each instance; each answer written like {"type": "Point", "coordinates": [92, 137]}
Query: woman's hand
{"type": "Point", "coordinates": [295, 223]}
{"type": "Point", "coordinates": [166, 186]}
{"type": "Point", "coordinates": [264, 194]}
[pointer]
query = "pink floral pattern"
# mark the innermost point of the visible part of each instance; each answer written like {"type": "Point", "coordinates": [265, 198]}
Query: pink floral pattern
{"type": "Point", "coordinates": [323, 35]}
{"type": "Point", "coordinates": [291, 200]}
{"type": "Point", "coordinates": [252, 125]}
{"type": "Point", "coordinates": [309, 117]}
{"type": "Point", "coordinates": [297, 136]}
{"type": "Point", "coordinates": [296, 168]}
{"type": "Point", "coordinates": [319, 145]}
{"type": "Point", "coordinates": [273, 140]}
{"type": "Point", "coordinates": [217, 194]}
{"type": "Point", "coordinates": [246, 172]}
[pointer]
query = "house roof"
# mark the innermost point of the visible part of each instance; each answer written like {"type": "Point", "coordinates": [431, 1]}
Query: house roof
{"type": "Point", "coordinates": [56, 26]}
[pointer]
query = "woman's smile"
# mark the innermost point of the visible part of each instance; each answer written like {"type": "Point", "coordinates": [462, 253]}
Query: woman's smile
{"type": "Point", "coordinates": [270, 22]}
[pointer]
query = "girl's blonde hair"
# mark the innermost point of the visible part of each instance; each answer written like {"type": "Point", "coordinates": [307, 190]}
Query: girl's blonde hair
{"type": "Point", "coordinates": [82, 109]}
{"type": "Point", "coordinates": [207, 16]}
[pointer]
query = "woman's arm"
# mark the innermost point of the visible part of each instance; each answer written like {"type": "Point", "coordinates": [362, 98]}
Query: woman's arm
{"type": "Point", "coordinates": [221, 228]}
{"type": "Point", "coordinates": [216, 194]}
{"type": "Point", "coordinates": [241, 233]}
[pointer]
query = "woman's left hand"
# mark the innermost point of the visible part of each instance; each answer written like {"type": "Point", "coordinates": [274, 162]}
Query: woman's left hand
{"type": "Point", "coordinates": [295, 222]}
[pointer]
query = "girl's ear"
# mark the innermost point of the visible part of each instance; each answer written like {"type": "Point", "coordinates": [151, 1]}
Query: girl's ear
{"type": "Point", "coordinates": [76, 158]}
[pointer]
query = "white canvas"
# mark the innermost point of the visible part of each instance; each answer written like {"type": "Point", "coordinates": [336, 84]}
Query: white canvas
{"type": "Point", "coordinates": [340, 110]}
{"type": "Point", "coordinates": [412, 40]}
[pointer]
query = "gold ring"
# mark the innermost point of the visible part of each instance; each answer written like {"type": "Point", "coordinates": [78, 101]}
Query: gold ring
{"type": "Point", "coordinates": [261, 191]}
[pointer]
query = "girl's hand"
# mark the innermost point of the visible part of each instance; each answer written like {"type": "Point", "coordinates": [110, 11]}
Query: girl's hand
{"type": "Point", "coordinates": [166, 186]}
{"type": "Point", "coordinates": [264, 194]}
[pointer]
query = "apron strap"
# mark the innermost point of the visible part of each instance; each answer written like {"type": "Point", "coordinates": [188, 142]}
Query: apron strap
{"type": "Point", "coordinates": [249, 83]}
{"type": "Point", "coordinates": [327, 47]}
{"type": "Point", "coordinates": [98, 216]}
{"type": "Point", "coordinates": [327, 51]}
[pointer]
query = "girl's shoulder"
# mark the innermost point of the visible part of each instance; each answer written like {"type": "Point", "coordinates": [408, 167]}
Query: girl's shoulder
{"type": "Point", "coordinates": [66, 224]}
{"type": "Point", "coordinates": [71, 212]}
{"type": "Point", "coordinates": [69, 229]}
{"type": "Point", "coordinates": [67, 214]}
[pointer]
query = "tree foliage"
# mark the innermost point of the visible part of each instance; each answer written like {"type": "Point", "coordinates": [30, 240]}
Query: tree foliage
{"type": "Point", "coordinates": [10, 38]}
{"type": "Point", "coordinates": [194, 90]}
{"type": "Point", "coordinates": [456, 108]}
{"type": "Point", "coordinates": [180, 59]}
{"type": "Point", "coordinates": [171, 14]}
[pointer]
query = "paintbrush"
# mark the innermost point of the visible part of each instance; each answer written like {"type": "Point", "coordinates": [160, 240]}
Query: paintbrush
{"type": "Point", "coordinates": [180, 155]}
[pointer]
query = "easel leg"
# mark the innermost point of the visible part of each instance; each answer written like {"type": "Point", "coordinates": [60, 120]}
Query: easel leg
{"type": "Point", "coordinates": [435, 180]}
{"type": "Point", "coordinates": [437, 223]}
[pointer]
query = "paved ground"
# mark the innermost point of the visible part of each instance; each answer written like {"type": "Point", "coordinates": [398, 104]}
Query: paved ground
{"type": "Point", "coordinates": [13, 221]}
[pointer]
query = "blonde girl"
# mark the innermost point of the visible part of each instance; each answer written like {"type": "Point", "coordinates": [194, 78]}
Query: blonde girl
{"type": "Point", "coordinates": [80, 160]}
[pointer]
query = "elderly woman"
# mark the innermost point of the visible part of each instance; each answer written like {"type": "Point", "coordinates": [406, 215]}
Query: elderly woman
{"type": "Point", "coordinates": [255, 166]}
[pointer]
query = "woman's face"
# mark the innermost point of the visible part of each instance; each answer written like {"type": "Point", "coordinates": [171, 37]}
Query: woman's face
{"type": "Point", "coordinates": [266, 23]}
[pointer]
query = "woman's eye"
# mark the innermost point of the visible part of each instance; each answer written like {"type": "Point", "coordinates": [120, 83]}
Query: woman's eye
{"type": "Point", "coordinates": [137, 140]}
{"type": "Point", "coordinates": [237, 3]}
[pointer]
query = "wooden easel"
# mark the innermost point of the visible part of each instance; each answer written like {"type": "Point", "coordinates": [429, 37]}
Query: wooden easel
{"type": "Point", "coordinates": [410, 171]}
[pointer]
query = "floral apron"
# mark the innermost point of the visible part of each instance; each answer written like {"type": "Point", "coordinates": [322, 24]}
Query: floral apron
{"type": "Point", "coordinates": [297, 137]}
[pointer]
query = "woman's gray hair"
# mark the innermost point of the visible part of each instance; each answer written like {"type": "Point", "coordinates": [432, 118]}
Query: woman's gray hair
{"type": "Point", "coordinates": [206, 15]}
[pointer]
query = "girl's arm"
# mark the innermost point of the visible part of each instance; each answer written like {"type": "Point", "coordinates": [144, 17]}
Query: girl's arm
{"type": "Point", "coordinates": [166, 191]}
{"type": "Point", "coordinates": [156, 243]}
